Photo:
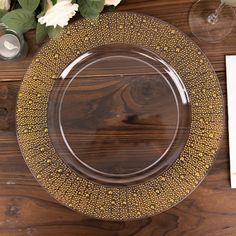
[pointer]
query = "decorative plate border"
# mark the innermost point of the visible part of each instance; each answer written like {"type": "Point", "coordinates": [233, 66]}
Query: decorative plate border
{"type": "Point", "coordinates": [135, 201]}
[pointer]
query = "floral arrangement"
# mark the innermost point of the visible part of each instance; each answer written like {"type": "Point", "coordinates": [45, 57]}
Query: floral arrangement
{"type": "Point", "coordinates": [48, 17]}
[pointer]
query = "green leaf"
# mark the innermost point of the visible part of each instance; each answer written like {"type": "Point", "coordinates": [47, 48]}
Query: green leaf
{"type": "Point", "coordinates": [54, 32]}
{"type": "Point", "coordinates": [20, 20]}
{"type": "Point", "coordinates": [2, 13]}
{"type": "Point", "coordinates": [29, 5]}
{"type": "Point", "coordinates": [41, 33]}
{"type": "Point", "coordinates": [110, 8]}
{"type": "Point", "coordinates": [54, 2]}
{"type": "Point", "coordinates": [91, 8]}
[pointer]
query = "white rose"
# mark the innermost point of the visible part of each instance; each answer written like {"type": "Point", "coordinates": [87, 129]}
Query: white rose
{"type": "Point", "coordinates": [112, 2]}
{"type": "Point", "coordinates": [59, 14]}
{"type": "Point", "coordinates": [5, 4]}
{"type": "Point", "coordinates": [229, 2]}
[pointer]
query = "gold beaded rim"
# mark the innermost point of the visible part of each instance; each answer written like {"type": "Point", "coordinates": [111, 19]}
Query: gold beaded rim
{"type": "Point", "coordinates": [124, 202]}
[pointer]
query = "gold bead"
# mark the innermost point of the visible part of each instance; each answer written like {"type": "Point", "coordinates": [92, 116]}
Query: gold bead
{"type": "Point", "coordinates": [163, 178]}
{"type": "Point", "coordinates": [54, 76]}
{"type": "Point", "coordinates": [211, 135]}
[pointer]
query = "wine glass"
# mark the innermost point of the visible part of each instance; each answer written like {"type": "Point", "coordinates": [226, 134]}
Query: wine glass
{"type": "Point", "coordinates": [211, 20]}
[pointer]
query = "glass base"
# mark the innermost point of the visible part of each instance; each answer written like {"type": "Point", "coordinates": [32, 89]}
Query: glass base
{"type": "Point", "coordinates": [119, 114]}
{"type": "Point", "coordinates": [207, 29]}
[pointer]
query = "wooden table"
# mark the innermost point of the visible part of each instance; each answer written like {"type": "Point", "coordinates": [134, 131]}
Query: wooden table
{"type": "Point", "coordinates": [27, 209]}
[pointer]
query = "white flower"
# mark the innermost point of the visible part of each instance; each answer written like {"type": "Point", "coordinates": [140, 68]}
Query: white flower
{"type": "Point", "coordinates": [112, 2]}
{"type": "Point", "coordinates": [229, 2]}
{"type": "Point", "coordinates": [59, 14]}
{"type": "Point", "coordinates": [5, 4]}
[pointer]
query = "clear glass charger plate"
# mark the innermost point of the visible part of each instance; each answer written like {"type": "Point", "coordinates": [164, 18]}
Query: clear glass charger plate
{"type": "Point", "coordinates": [120, 118]}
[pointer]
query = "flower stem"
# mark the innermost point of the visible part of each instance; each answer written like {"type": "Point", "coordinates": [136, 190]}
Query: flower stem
{"type": "Point", "coordinates": [214, 17]}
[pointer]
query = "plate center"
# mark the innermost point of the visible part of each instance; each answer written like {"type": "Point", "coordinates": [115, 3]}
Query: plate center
{"type": "Point", "coordinates": [122, 112]}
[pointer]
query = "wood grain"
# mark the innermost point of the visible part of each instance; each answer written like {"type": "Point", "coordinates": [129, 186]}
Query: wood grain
{"type": "Point", "coordinates": [27, 209]}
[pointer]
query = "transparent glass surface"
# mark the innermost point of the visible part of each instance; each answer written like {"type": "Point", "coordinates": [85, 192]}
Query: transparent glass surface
{"type": "Point", "coordinates": [211, 20]}
{"type": "Point", "coordinates": [12, 44]}
{"type": "Point", "coordinates": [119, 114]}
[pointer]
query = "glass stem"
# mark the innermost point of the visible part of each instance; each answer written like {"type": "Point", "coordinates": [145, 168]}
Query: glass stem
{"type": "Point", "coordinates": [214, 17]}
